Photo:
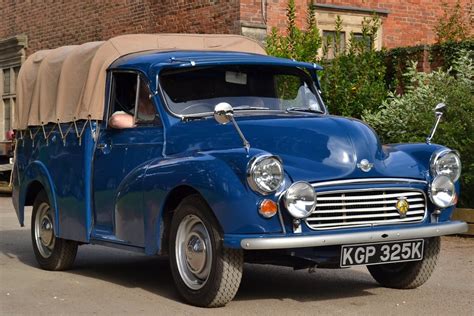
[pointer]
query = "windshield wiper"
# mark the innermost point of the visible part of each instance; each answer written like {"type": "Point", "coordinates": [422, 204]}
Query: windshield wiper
{"type": "Point", "coordinates": [300, 109]}
{"type": "Point", "coordinates": [249, 107]}
{"type": "Point", "coordinates": [197, 116]}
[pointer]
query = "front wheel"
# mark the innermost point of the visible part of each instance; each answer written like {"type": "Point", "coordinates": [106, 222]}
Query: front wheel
{"type": "Point", "coordinates": [205, 273]}
{"type": "Point", "coordinates": [408, 275]}
{"type": "Point", "coordinates": [51, 252]}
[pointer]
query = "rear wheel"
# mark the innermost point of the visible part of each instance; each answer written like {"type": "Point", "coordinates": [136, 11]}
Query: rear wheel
{"type": "Point", "coordinates": [51, 252]}
{"type": "Point", "coordinates": [408, 275]}
{"type": "Point", "coordinates": [205, 273]}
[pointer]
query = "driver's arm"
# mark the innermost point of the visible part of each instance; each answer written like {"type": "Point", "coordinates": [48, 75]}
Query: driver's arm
{"type": "Point", "coordinates": [120, 119]}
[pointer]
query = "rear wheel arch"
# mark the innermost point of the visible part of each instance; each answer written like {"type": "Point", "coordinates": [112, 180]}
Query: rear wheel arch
{"type": "Point", "coordinates": [36, 179]}
{"type": "Point", "coordinates": [32, 190]}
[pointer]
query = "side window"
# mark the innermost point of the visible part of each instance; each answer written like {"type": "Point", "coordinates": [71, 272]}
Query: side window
{"type": "Point", "coordinates": [124, 92]}
{"type": "Point", "coordinates": [146, 111]}
{"type": "Point", "coordinates": [129, 106]}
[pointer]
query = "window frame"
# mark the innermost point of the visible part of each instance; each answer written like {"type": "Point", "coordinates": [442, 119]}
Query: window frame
{"type": "Point", "coordinates": [110, 103]}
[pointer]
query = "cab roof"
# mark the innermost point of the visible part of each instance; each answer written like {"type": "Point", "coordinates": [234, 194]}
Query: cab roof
{"type": "Point", "coordinates": [152, 61]}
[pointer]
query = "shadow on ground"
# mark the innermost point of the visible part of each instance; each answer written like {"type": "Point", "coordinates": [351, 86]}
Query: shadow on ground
{"type": "Point", "coordinates": [153, 274]}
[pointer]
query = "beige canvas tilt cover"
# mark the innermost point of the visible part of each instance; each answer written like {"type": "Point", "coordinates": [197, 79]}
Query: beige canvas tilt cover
{"type": "Point", "coordinates": [68, 83]}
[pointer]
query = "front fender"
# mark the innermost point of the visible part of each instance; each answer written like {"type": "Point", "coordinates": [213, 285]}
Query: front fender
{"type": "Point", "coordinates": [37, 172]}
{"type": "Point", "coordinates": [422, 154]}
{"type": "Point", "coordinates": [220, 182]}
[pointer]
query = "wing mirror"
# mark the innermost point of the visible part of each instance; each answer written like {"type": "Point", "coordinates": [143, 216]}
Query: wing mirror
{"type": "Point", "coordinates": [439, 111]}
{"type": "Point", "coordinates": [223, 114]}
{"type": "Point", "coordinates": [439, 108]}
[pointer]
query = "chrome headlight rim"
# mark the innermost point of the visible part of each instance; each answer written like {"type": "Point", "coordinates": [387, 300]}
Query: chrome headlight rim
{"type": "Point", "coordinates": [439, 155]}
{"type": "Point", "coordinates": [285, 199]}
{"type": "Point", "coordinates": [253, 164]}
{"type": "Point", "coordinates": [432, 196]}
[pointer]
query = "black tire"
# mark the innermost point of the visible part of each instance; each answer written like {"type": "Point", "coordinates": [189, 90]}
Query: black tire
{"type": "Point", "coordinates": [52, 253]}
{"type": "Point", "coordinates": [408, 275]}
{"type": "Point", "coordinates": [215, 281]}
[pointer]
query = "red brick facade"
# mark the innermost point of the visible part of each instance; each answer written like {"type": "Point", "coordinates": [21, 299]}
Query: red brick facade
{"type": "Point", "coordinates": [51, 24]}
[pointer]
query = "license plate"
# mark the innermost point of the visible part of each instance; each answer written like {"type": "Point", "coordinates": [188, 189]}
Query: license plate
{"type": "Point", "coordinates": [379, 253]}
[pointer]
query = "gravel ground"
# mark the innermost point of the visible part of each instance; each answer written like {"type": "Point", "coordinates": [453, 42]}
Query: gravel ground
{"type": "Point", "coordinates": [109, 281]}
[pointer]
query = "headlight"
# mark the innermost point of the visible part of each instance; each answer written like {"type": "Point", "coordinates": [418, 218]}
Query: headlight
{"type": "Point", "coordinates": [265, 174]}
{"type": "Point", "coordinates": [442, 192]}
{"type": "Point", "coordinates": [300, 199]}
{"type": "Point", "coordinates": [446, 163]}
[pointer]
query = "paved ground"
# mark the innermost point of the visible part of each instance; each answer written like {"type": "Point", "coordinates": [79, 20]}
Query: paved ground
{"type": "Point", "coordinates": [107, 281]}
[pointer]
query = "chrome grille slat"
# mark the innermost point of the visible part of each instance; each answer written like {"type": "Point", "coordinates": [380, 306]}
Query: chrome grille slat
{"type": "Point", "coordinates": [362, 210]}
{"type": "Point", "coordinates": [368, 197]}
{"type": "Point", "coordinates": [367, 203]}
{"type": "Point", "coordinates": [365, 207]}
{"type": "Point", "coordinates": [365, 216]}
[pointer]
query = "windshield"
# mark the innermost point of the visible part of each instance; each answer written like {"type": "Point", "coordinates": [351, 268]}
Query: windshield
{"type": "Point", "coordinates": [196, 90]}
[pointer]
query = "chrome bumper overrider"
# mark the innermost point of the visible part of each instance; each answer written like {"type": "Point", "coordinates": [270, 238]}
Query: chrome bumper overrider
{"type": "Point", "coordinates": [378, 235]}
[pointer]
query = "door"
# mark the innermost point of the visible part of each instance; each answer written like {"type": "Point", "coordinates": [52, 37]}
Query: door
{"type": "Point", "coordinates": [131, 136]}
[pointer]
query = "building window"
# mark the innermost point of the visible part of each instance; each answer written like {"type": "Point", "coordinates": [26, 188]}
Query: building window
{"type": "Point", "coordinates": [8, 76]}
{"type": "Point", "coordinates": [365, 41]}
{"type": "Point", "coordinates": [331, 46]}
{"type": "Point", "coordinates": [352, 18]}
{"type": "Point", "coordinates": [12, 55]}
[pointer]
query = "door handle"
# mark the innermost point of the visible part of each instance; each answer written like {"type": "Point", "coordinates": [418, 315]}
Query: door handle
{"type": "Point", "coordinates": [104, 147]}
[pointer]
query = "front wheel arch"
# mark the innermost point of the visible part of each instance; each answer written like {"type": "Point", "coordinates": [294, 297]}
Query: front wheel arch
{"type": "Point", "coordinates": [173, 199]}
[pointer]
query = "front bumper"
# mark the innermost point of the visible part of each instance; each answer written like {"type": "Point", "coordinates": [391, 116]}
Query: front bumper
{"type": "Point", "coordinates": [377, 235]}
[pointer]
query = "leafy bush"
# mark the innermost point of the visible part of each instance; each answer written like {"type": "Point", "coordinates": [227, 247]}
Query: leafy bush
{"type": "Point", "coordinates": [301, 45]}
{"type": "Point", "coordinates": [409, 117]}
{"type": "Point", "coordinates": [447, 53]}
{"type": "Point", "coordinates": [355, 79]}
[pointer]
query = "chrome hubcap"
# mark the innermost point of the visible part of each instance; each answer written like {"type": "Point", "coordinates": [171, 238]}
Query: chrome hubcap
{"type": "Point", "coordinates": [44, 231]}
{"type": "Point", "coordinates": [193, 252]}
{"type": "Point", "coordinates": [196, 253]}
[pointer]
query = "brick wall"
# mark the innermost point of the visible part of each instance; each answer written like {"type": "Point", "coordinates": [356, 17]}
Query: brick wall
{"type": "Point", "coordinates": [49, 25]}
{"type": "Point", "coordinates": [250, 11]}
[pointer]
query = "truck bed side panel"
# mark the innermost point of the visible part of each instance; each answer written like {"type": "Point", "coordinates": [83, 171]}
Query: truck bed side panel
{"type": "Point", "coordinates": [68, 165]}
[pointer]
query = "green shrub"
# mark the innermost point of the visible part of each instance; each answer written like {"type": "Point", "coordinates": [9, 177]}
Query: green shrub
{"type": "Point", "coordinates": [355, 79]}
{"type": "Point", "coordinates": [409, 117]}
{"type": "Point", "coordinates": [301, 45]}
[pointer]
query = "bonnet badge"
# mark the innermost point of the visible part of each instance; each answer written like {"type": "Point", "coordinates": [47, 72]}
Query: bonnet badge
{"type": "Point", "coordinates": [402, 206]}
{"type": "Point", "coordinates": [365, 165]}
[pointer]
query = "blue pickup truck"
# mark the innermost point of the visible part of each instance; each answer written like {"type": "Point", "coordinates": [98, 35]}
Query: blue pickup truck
{"type": "Point", "coordinates": [204, 149]}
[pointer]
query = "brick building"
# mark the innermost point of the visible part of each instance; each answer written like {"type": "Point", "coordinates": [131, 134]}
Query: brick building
{"type": "Point", "coordinates": [27, 26]}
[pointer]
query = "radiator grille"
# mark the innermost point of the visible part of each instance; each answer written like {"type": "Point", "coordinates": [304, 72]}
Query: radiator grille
{"type": "Point", "coordinates": [340, 209]}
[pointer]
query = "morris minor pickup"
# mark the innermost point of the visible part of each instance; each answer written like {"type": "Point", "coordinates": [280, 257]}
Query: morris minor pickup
{"type": "Point", "coordinates": [203, 149]}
